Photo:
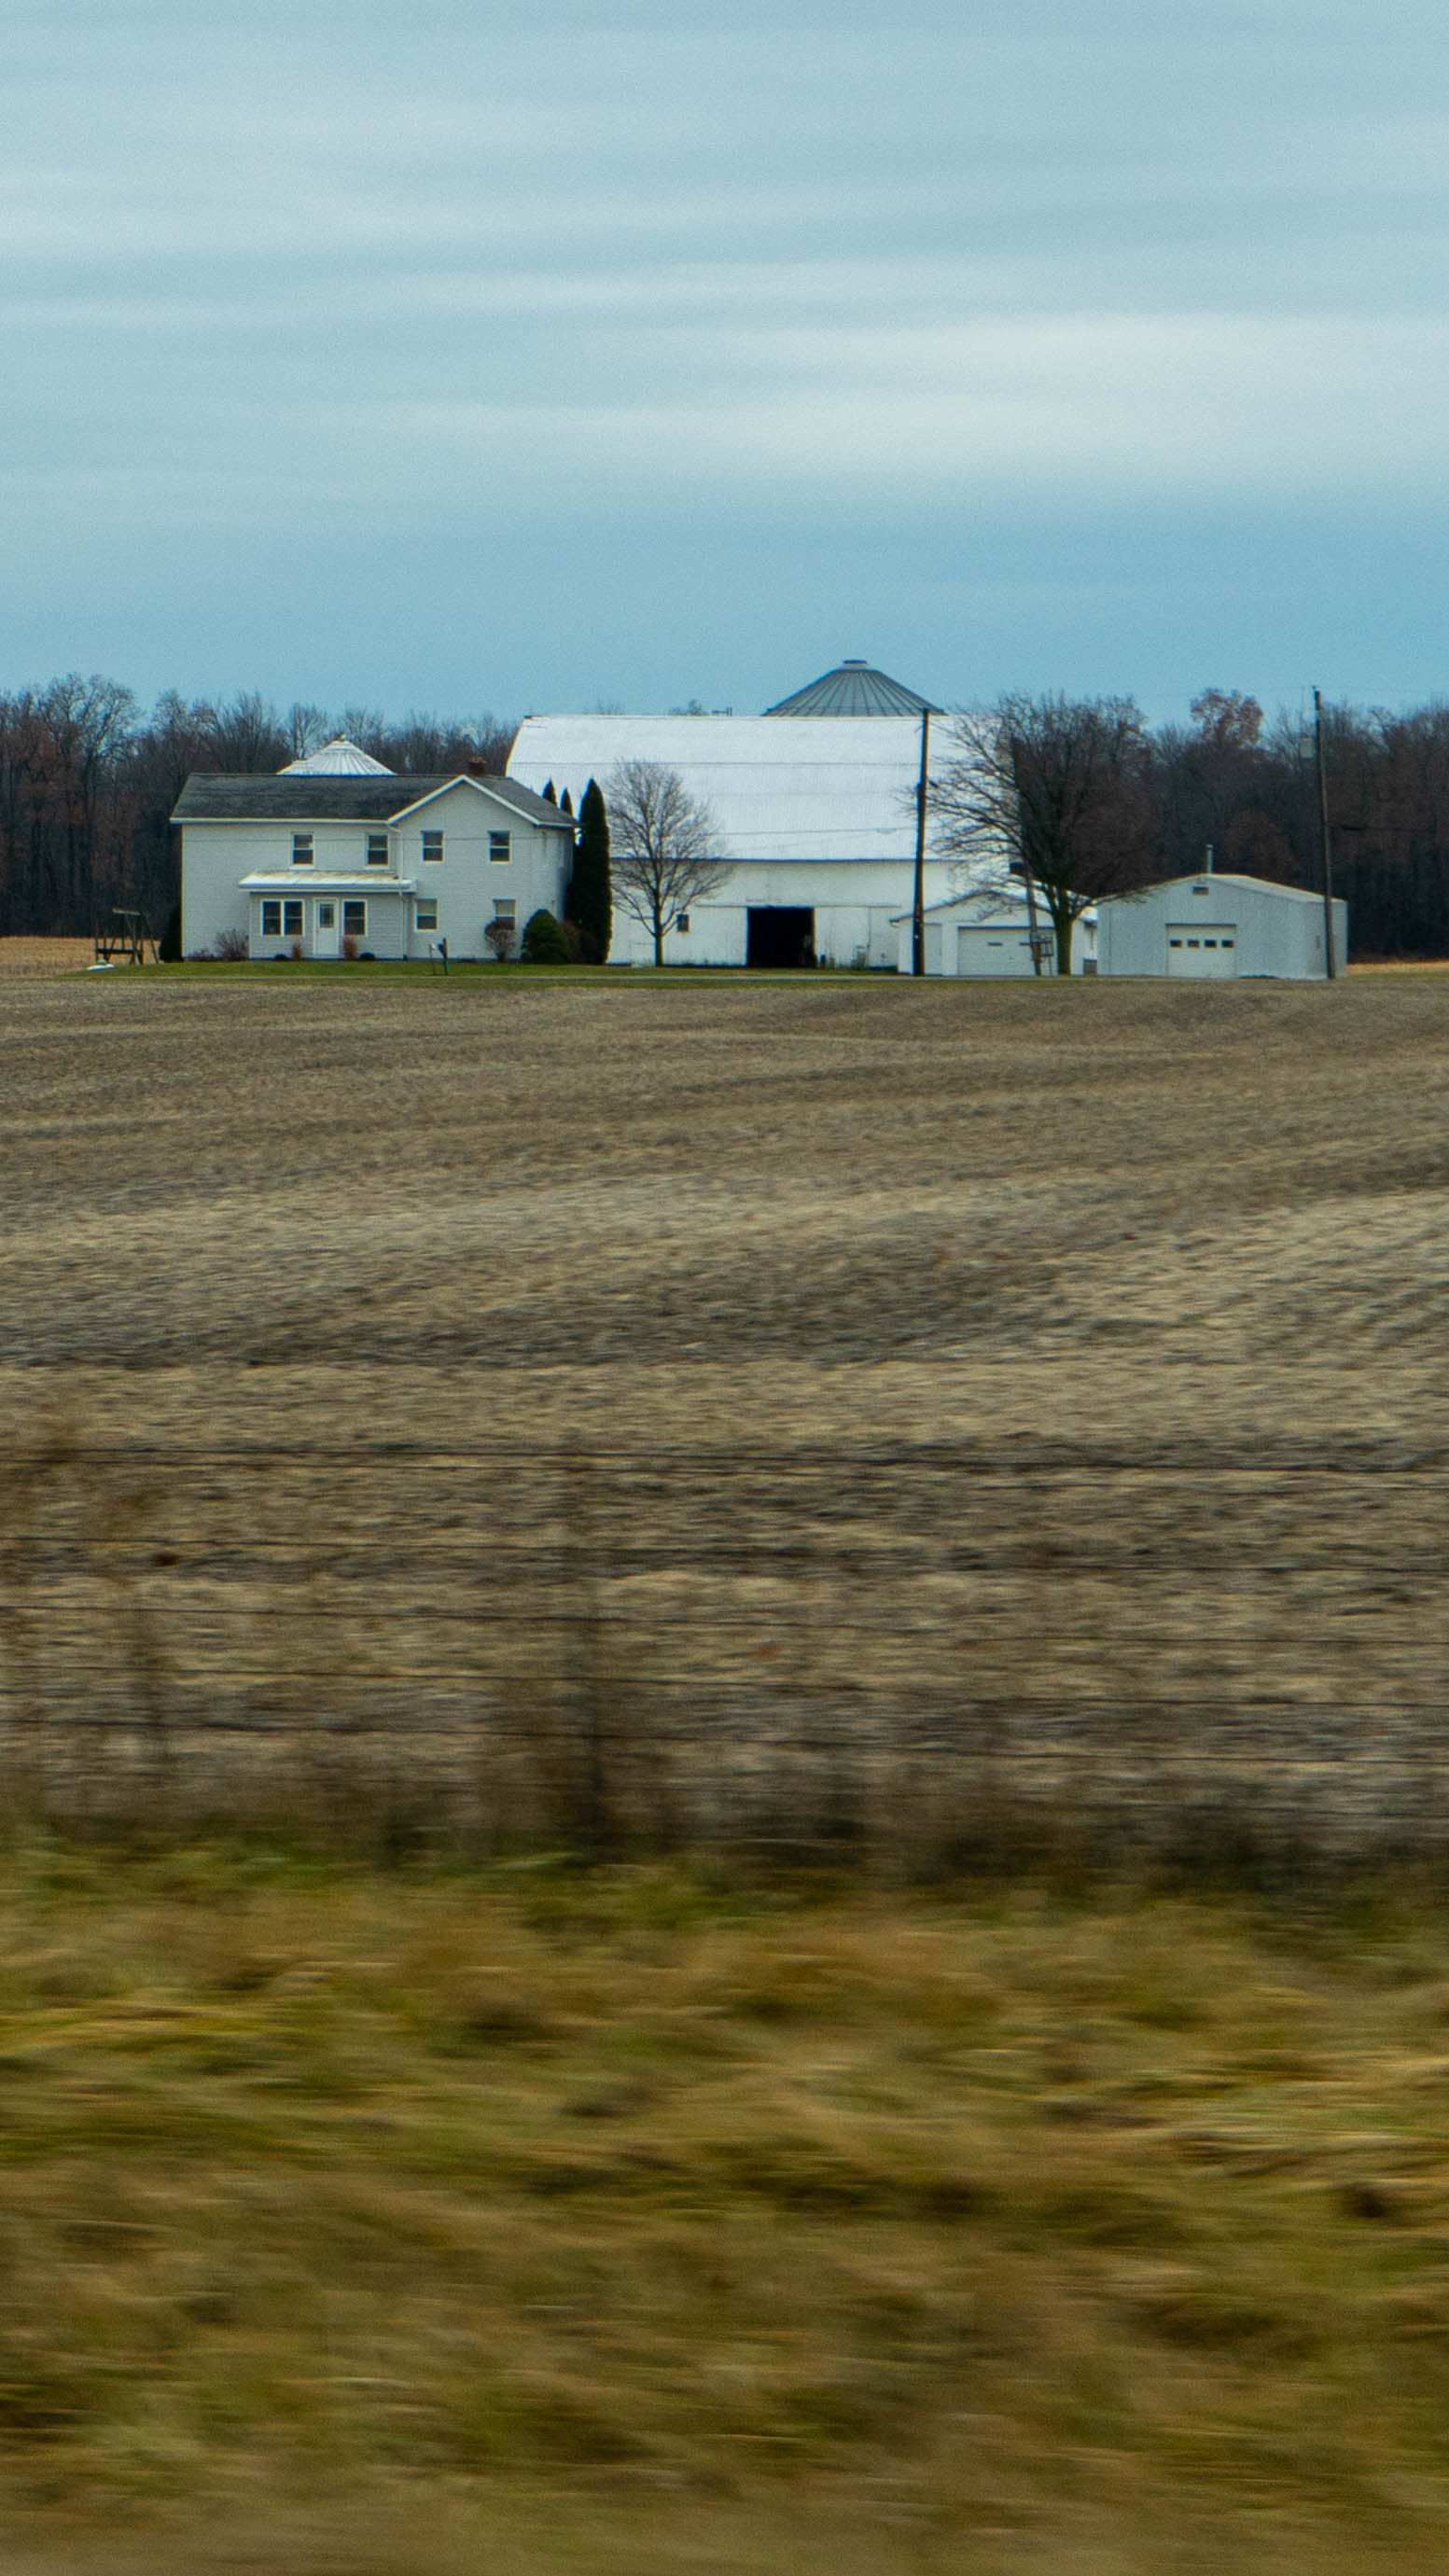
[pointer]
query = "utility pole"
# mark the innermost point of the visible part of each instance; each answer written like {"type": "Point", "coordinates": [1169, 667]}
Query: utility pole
{"type": "Point", "coordinates": [1327, 836]}
{"type": "Point", "coordinates": [918, 892]}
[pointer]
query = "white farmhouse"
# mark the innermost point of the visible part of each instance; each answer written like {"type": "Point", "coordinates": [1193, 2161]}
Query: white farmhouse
{"type": "Point", "coordinates": [1219, 926]}
{"type": "Point", "coordinates": [336, 849]}
{"type": "Point", "coordinates": [814, 804]}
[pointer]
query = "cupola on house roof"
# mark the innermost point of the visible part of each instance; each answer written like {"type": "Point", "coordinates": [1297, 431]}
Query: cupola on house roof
{"type": "Point", "coordinates": [338, 758]}
{"type": "Point", "coordinates": [854, 689]}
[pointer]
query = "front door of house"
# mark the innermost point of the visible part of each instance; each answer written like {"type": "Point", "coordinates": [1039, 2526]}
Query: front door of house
{"type": "Point", "coordinates": [325, 935]}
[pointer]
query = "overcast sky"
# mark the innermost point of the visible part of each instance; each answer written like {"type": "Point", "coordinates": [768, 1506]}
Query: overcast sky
{"type": "Point", "coordinates": [447, 356]}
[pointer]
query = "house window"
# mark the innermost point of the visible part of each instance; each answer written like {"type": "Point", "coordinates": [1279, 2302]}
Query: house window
{"type": "Point", "coordinates": [377, 849]}
{"type": "Point", "coordinates": [292, 919]}
{"type": "Point", "coordinates": [354, 920]}
{"type": "Point", "coordinates": [426, 916]}
{"type": "Point", "coordinates": [301, 849]}
{"type": "Point", "coordinates": [432, 845]}
{"type": "Point", "coordinates": [326, 916]}
{"type": "Point", "coordinates": [271, 921]}
{"type": "Point", "coordinates": [498, 848]}
{"type": "Point", "coordinates": [505, 912]}
{"type": "Point", "coordinates": [683, 922]}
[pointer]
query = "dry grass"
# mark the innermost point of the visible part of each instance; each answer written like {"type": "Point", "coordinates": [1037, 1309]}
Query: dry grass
{"type": "Point", "coordinates": [43, 956]}
{"type": "Point", "coordinates": [1023, 2228]}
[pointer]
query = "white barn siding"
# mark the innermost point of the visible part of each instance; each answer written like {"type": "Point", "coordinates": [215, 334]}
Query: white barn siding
{"type": "Point", "coordinates": [815, 813]}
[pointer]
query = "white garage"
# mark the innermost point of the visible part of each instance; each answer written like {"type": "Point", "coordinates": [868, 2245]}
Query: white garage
{"type": "Point", "coordinates": [986, 930]}
{"type": "Point", "coordinates": [1214, 927]}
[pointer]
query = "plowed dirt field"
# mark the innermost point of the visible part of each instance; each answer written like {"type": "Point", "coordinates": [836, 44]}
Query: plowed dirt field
{"type": "Point", "coordinates": [821, 1408]}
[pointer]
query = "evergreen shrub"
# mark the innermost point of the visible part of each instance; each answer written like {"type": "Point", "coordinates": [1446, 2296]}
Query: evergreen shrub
{"type": "Point", "coordinates": [545, 941]}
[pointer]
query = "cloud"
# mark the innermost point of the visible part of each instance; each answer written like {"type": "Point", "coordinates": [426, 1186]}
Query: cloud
{"type": "Point", "coordinates": [294, 275]}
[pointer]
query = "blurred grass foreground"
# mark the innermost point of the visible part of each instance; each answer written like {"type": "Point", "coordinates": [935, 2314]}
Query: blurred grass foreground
{"type": "Point", "coordinates": [419, 2219]}
{"type": "Point", "coordinates": [724, 1794]}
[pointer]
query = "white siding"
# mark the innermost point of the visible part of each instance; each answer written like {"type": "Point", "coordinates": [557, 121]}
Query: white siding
{"type": "Point", "coordinates": [468, 883]}
{"type": "Point", "coordinates": [216, 857]}
{"type": "Point", "coordinates": [987, 932]}
{"type": "Point", "coordinates": [854, 902]}
{"type": "Point", "coordinates": [814, 811]}
{"type": "Point", "coordinates": [1275, 930]}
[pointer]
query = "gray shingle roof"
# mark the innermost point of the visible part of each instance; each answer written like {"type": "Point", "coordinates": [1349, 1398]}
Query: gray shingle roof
{"type": "Point", "coordinates": [854, 689]}
{"type": "Point", "coordinates": [211, 797]}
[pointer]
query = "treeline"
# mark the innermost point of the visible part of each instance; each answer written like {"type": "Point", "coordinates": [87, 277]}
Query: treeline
{"type": "Point", "coordinates": [88, 782]}
{"type": "Point", "coordinates": [1251, 790]}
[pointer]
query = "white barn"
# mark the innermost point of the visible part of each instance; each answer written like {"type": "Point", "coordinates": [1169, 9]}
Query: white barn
{"type": "Point", "coordinates": [336, 849]}
{"type": "Point", "coordinates": [814, 803]}
{"type": "Point", "coordinates": [987, 931]}
{"type": "Point", "coordinates": [1218, 926]}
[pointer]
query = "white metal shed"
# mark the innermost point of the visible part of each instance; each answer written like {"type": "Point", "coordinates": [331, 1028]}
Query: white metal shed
{"type": "Point", "coordinates": [1215, 927]}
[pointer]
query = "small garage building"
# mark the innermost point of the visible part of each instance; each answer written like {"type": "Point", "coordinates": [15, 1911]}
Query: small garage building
{"type": "Point", "coordinates": [987, 931]}
{"type": "Point", "coordinates": [1214, 927]}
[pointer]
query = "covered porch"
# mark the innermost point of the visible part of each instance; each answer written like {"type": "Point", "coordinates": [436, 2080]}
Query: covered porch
{"type": "Point", "coordinates": [292, 912]}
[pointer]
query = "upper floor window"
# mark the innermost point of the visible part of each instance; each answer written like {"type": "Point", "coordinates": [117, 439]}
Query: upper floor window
{"type": "Point", "coordinates": [301, 849]}
{"type": "Point", "coordinates": [498, 847]}
{"type": "Point", "coordinates": [377, 849]}
{"type": "Point", "coordinates": [432, 845]}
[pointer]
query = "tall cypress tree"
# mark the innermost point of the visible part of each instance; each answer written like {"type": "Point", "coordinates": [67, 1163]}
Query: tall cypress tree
{"type": "Point", "coordinates": [590, 903]}
{"type": "Point", "coordinates": [549, 797]}
{"type": "Point", "coordinates": [566, 803]}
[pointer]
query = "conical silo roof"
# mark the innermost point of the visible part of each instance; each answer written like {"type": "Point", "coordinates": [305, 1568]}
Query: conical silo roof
{"type": "Point", "coordinates": [854, 689]}
{"type": "Point", "coordinates": [337, 759]}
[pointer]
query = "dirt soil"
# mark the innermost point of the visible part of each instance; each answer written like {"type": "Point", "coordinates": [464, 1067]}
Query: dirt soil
{"type": "Point", "coordinates": [910, 1412]}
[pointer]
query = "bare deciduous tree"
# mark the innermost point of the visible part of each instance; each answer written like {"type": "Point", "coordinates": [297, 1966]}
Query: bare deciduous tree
{"type": "Point", "coordinates": [665, 852]}
{"type": "Point", "coordinates": [1062, 786]}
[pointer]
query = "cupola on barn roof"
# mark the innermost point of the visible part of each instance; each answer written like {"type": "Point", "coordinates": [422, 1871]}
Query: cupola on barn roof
{"type": "Point", "coordinates": [853, 688]}
{"type": "Point", "coordinates": [337, 759]}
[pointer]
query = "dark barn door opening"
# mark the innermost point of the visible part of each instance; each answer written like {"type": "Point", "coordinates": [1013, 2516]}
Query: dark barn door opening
{"type": "Point", "coordinates": [779, 934]}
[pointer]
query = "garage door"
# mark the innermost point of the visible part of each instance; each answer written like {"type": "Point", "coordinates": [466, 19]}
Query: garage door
{"type": "Point", "coordinates": [1202, 948]}
{"type": "Point", "coordinates": [992, 952]}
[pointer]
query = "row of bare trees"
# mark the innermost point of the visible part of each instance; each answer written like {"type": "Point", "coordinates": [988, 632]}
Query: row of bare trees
{"type": "Point", "coordinates": [1085, 801]}
{"type": "Point", "coordinates": [88, 782]}
{"type": "Point", "coordinates": [1087, 796]}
